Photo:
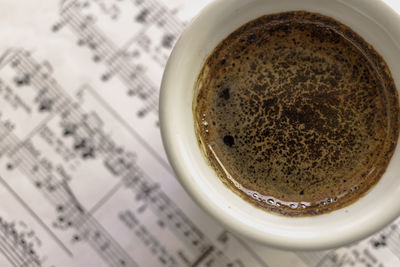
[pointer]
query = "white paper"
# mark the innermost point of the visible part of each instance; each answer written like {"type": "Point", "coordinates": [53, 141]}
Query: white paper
{"type": "Point", "coordinates": [84, 180]}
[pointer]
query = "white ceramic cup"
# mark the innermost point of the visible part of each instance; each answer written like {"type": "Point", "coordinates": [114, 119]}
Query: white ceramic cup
{"type": "Point", "coordinates": [376, 23]}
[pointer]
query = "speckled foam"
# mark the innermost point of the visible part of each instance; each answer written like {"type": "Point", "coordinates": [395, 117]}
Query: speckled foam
{"type": "Point", "coordinates": [297, 113]}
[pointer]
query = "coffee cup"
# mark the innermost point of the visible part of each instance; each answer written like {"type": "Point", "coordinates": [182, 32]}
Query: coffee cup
{"type": "Point", "coordinates": [371, 19]}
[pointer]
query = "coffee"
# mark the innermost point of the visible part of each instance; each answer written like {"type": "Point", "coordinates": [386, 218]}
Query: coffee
{"type": "Point", "coordinates": [297, 113]}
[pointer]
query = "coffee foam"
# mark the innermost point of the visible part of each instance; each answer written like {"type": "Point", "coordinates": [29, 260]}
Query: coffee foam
{"type": "Point", "coordinates": [297, 113]}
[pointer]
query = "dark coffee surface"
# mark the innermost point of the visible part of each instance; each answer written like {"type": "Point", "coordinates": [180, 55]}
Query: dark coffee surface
{"type": "Point", "coordinates": [297, 113]}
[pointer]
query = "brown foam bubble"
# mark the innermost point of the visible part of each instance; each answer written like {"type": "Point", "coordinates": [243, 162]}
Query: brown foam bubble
{"type": "Point", "coordinates": [297, 113]}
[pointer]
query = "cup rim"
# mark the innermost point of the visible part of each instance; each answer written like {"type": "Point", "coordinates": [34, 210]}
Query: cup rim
{"type": "Point", "coordinates": [171, 141]}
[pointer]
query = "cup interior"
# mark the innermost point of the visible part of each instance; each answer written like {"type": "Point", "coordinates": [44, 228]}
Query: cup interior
{"type": "Point", "coordinates": [371, 19]}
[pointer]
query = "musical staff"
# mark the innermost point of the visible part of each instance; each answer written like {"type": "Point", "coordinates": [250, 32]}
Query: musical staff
{"type": "Point", "coordinates": [56, 191]}
{"type": "Point", "coordinates": [364, 253]}
{"type": "Point", "coordinates": [149, 240]}
{"type": "Point", "coordinates": [167, 212]}
{"type": "Point", "coordinates": [15, 246]}
{"type": "Point", "coordinates": [85, 133]}
{"type": "Point", "coordinates": [122, 59]}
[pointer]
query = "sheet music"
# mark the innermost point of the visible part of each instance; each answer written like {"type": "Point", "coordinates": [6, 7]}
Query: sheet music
{"type": "Point", "coordinates": [84, 180]}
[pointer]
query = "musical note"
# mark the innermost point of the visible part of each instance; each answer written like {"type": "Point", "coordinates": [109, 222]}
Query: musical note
{"type": "Point", "coordinates": [69, 130]}
{"type": "Point", "coordinates": [142, 16]}
{"type": "Point", "coordinates": [80, 144]}
{"type": "Point", "coordinates": [381, 242]}
{"type": "Point", "coordinates": [88, 153]}
{"type": "Point", "coordinates": [22, 80]}
{"type": "Point", "coordinates": [46, 105]}
{"type": "Point", "coordinates": [167, 41]}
